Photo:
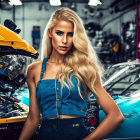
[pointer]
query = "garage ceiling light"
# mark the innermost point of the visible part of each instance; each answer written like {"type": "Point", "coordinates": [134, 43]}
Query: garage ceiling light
{"type": "Point", "coordinates": [11, 3]}
{"type": "Point", "coordinates": [55, 2]}
{"type": "Point", "coordinates": [94, 2]}
{"type": "Point", "coordinates": [16, 2]}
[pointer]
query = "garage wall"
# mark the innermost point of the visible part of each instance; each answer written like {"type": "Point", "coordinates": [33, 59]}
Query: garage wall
{"type": "Point", "coordinates": [5, 14]}
{"type": "Point", "coordinates": [31, 14]}
{"type": "Point", "coordinates": [116, 24]}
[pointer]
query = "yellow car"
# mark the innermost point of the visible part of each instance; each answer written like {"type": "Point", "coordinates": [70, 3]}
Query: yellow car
{"type": "Point", "coordinates": [13, 60]}
{"type": "Point", "coordinates": [12, 43]}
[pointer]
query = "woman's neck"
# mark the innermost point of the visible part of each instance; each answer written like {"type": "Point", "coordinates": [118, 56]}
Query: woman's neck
{"type": "Point", "coordinates": [56, 58]}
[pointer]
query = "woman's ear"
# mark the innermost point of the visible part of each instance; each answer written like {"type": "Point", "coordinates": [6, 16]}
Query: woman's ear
{"type": "Point", "coordinates": [49, 33]}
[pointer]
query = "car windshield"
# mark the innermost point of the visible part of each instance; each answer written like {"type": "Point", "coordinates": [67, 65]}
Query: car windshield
{"type": "Point", "coordinates": [123, 80]}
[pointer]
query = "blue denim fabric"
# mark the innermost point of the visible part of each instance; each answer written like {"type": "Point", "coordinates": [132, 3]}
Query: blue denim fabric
{"type": "Point", "coordinates": [63, 129]}
{"type": "Point", "coordinates": [53, 100]}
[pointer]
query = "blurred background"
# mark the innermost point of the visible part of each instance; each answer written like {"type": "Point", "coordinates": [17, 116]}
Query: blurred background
{"type": "Point", "coordinates": [112, 25]}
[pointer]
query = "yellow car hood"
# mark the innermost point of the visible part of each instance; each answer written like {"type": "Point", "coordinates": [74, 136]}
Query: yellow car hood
{"type": "Point", "coordinates": [12, 43]}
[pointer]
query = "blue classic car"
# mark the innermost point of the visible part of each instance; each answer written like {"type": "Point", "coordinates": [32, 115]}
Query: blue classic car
{"type": "Point", "coordinates": [122, 82]}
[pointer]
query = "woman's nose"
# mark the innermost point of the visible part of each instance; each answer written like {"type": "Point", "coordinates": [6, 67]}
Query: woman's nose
{"type": "Point", "coordinates": [64, 39]}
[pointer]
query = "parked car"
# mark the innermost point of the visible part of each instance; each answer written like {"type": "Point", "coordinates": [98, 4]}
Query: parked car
{"type": "Point", "coordinates": [122, 82]}
{"type": "Point", "coordinates": [13, 55]}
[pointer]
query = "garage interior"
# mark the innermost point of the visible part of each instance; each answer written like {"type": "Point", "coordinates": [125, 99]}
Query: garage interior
{"type": "Point", "coordinates": [112, 25]}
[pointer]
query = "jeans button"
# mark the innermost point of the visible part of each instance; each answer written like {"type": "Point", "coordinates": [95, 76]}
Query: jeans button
{"type": "Point", "coordinates": [57, 99]}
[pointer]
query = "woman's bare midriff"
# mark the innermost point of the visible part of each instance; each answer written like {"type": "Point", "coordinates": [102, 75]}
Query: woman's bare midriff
{"type": "Point", "coordinates": [65, 117]}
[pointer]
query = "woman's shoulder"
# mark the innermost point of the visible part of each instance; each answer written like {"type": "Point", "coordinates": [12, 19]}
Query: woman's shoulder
{"type": "Point", "coordinates": [34, 67]}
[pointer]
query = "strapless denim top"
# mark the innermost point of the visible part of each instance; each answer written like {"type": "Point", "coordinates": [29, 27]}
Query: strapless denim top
{"type": "Point", "coordinates": [54, 100]}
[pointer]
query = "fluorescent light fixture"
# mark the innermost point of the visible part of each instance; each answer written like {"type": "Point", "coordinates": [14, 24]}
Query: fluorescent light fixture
{"type": "Point", "coordinates": [11, 3]}
{"type": "Point", "coordinates": [55, 2]}
{"type": "Point", "coordinates": [94, 2]}
{"type": "Point", "coordinates": [16, 2]}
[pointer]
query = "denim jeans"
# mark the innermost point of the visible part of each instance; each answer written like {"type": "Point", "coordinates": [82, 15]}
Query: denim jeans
{"type": "Point", "coordinates": [63, 129]}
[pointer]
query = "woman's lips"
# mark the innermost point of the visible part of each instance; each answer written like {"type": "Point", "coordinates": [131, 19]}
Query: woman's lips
{"type": "Point", "coordinates": [63, 48]}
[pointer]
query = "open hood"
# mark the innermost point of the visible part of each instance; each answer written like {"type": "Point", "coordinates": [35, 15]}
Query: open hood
{"type": "Point", "coordinates": [13, 58]}
{"type": "Point", "coordinates": [12, 43]}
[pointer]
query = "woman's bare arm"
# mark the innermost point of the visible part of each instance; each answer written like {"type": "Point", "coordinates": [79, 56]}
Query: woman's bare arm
{"type": "Point", "coordinates": [33, 117]}
{"type": "Point", "coordinates": [113, 117]}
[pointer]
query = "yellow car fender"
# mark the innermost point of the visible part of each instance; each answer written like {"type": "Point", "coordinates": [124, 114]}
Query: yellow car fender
{"type": "Point", "coordinates": [12, 43]}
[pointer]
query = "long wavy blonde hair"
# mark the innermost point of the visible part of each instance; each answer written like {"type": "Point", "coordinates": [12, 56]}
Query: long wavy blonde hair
{"type": "Point", "coordinates": [81, 60]}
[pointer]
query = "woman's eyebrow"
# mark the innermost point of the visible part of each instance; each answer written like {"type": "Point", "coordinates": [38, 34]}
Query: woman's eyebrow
{"type": "Point", "coordinates": [58, 31]}
{"type": "Point", "coordinates": [62, 31]}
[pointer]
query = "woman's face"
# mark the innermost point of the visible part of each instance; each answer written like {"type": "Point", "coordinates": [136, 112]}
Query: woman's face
{"type": "Point", "coordinates": [62, 37]}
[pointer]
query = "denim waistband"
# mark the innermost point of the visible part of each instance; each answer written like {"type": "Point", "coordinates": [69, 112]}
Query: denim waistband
{"type": "Point", "coordinates": [64, 120]}
{"type": "Point", "coordinates": [63, 129]}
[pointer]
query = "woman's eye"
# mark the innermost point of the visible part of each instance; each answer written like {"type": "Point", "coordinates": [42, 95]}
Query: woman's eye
{"type": "Point", "coordinates": [70, 34]}
{"type": "Point", "coordinates": [59, 33]}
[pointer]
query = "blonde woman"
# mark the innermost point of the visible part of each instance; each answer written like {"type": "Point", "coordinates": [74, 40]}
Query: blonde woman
{"type": "Point", "coordinates": [59, 84]}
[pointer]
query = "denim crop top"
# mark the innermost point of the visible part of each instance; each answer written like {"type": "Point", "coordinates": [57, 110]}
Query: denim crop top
{"type": "Point", "coordinates": [54, 100]}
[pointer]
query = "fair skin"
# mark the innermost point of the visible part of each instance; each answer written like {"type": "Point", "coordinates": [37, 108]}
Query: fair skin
{"type": "Point", "coordinates": [113, 114]}
{"type": "Point", "coordinates": [62, 40]}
